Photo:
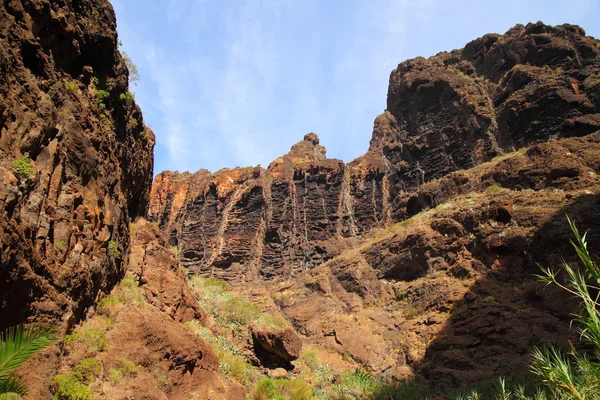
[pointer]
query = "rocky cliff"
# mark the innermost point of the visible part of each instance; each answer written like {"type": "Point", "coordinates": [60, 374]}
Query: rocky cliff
{"type": "Point", "coordinates": [416, 259]}
{"type": "Point", "coordinates": [450, 112]}
{"type": "Point", "coordinates": [256, 222]}
{"type": "Point", "coordinates": [75, 158]}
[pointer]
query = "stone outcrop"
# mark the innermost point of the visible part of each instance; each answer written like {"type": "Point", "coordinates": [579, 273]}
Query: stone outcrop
{"type": "Point", "coordinates": [75, 159]}
{"type": "Point", "coordinates": [257, 222]}
{"type": "Point", "coordinates": [448, 113]}
{"type": "Point", "coordinates": [456, 110]}
{"type": "Point", "coordinates": [279, 343]}
{"type": "Point", "coordinates": [141, 321]}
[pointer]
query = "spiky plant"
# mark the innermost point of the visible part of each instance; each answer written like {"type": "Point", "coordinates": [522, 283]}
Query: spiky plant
{"type": "Point", "coordinates": [572, 375]}
{"type": "Point", "coordinates": [17, 345]}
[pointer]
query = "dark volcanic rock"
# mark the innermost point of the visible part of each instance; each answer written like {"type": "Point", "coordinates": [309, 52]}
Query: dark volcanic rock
{"type": "Point", "coordinates": [281, 346]}
{"type": "Point", "coordinates": [75, 159]}
{"type": "Point", "coordinates": [256, 222]}
{"type": "Point", "coordinates": [501, 92]}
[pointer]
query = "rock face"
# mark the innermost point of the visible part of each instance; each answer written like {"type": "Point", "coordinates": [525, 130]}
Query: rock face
{"type": "Point", "coordinates": [142, 321]}
{"type": "Point", "coordinates": [500, 93]}
{"type": "Point", "coordinates": [448, 113]}
{"type": "Point", "coordinates": [417, 257]}
{"type": "Point", "coordinates": [75, 158]}
{"type": "Point", "coordinates": [257, 222]}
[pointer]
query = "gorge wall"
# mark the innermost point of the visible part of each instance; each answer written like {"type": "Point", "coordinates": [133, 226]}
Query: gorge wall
{"type": "Point", "coordinates": [451, 112]}
{"type": "Point", "coordinates": [75, 159]}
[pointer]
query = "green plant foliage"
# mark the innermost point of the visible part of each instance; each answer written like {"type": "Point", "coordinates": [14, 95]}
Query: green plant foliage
{"type": "Point", "coordinates": [410, 313]}
{"type": "Point", "coordinates": [130, 292]}
{"type": "Point", "coordinates": [489, 299]}
{"type": "Point", "coordinates": [93, 340]}
{"type": "Point", "coordinates": [361, 381]}
{"type": "Point", "coordinates": [17, 345]}
{"type": "Point", "coordinates": [87, 370]}
{"type": "Point", "coordinates": [127, 97]}
{"type": "Point", "coordinates": [283, 389]}
{"type": "Point", "coordinates": [115, 376]}
{"type": "Point", "coordinates": [128, 367]}
{"type": "Point", "coordinates": [101, 94]}
{"type": "Point", "coordinates": [23, 167]}
{"type": "Point", "coordinates": [71, 87]}
{"type": "Point", "coordinates": [68, 387]}
{"type": "Point", "coordinates": [134, 75]}
{"type": "Point", "coordinates": [565, 375]}
{"type": "Point", "coordinates": [494, 189]}
{"type": "Point", "coordinates": [113, 248]}
{"type": "Point", "coordinates": [104, 306]}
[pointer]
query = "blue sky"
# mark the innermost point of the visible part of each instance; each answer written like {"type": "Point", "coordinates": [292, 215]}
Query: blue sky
{"type": "Point", "coordinates": [228, 83]}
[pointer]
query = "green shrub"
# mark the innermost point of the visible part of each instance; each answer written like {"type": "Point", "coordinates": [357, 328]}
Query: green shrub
{"type": "Point", "coordinates": [310, 358]}
{"type": "Point", "coordinates": [161, 377]}
{"type": "Point", "coordinates": [282, 389]}
{"type": "Point", "coordinates": [494, 189]}
{"type": "Point", "coordinates": [115, 376]}
{"type": "Point", "coordinates": [410, 313]}
{"type": "Point", "coordinates": [130, 292]}
{"type": "Point", "coordinates": [401, 295]}
{"type": "Point", "coordinates": [360, 380]}
{"type": "Point", "coordinates": [212, 285]}
{"type": "Point", "coordinates": [566, 375]}
{"type": "Point", "coordinates": [104, 305]}
{"type": "Point", "coordinates": [127, 97]}
{"type": "Point", "coordinates": [572, 375]}
{"type": "Point", "coordinates": [68, 387]}
{"type": "Point", "coordinates": [102, 94]}
{"type": "Point", "coordinates": [71, 87]}
{"type": "Point", "coordinates": [134, 75]}
{"type": "Point", "coordinates": [270, 321]}
{"type": "Point", "coordinates": [128, 367]}
{"type": "Point", "coordinates": [489, 299]}
{"type": "Point", "coordinates": [93, 340]}
{"type": "Point", "coordinates": [87, 370]}
{"type": "Point", "coordinates": [23, 168]}
{"type": "Point", "coordinates": [113, 248]}
{"type": "Point", "coordinates": [239, 312]}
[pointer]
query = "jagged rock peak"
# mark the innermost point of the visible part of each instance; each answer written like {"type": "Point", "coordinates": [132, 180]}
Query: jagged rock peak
{"type": "Point", "coordinates": [308, 148]}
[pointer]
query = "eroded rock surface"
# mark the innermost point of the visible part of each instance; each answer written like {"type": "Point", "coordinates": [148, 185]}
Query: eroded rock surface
{"type": "Point", "coordinates": [75, 159]}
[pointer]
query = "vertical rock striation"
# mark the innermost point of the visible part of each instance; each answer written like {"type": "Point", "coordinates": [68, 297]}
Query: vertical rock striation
{"type": "Point", "coordinates": [257, 222]}
{"type": "Point", "coordinates": [75, 158]}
